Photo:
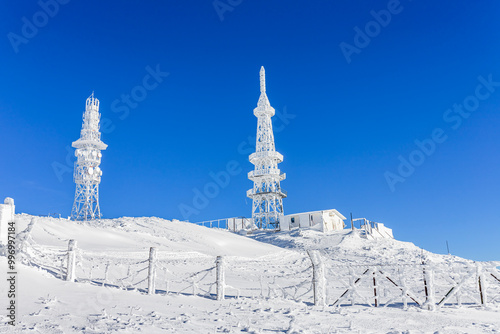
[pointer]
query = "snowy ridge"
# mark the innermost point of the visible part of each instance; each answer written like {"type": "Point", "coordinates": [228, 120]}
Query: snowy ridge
{"type": "Point", "coordinates": [268, 276]}
{"type": "Point", "coordinates": [129, 235]}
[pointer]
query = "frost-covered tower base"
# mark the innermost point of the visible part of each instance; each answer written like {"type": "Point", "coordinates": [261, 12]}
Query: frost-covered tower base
{"type": "Point", "coordinates": [267, 196]}
{"type": "Point", "coordinates": [87, 174]}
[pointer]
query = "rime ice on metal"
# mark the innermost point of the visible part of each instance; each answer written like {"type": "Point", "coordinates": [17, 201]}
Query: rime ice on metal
{"type": "Point", "coordinates": [267, 195]}
{"type": "Point", "coordinates": [87, 174]}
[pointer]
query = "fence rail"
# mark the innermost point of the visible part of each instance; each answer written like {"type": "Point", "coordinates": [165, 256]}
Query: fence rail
{"type": "Point", "coordinates": [306, 278]}
{"type": "Point", "coordinates": [231, 224]}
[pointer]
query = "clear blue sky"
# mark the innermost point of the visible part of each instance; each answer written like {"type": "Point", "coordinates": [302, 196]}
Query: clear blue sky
{"type": "Point", "coordinates": [351, 120]}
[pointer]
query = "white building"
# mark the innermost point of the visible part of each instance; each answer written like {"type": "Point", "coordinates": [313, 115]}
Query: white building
{"type": "Point", "coordinates": [328, 220]}
{"type": "Point", "coordinates": [324, 220]}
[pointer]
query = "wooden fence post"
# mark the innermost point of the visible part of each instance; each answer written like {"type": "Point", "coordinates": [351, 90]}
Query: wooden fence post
{"type": "Point", "coordinates": [352, 285]}
{"type": "Point", "coordinates": [375, 286]}
{"type": "Point", "coordinates": [318, 281]}
{"type": "Point", "coordinates": [430, 303]}
{"type": "Point", "coordinates": [482, 284]}
{"type": "Point", "coordinates": [152, 271]}
{"type": "Point", "coordinates": [220, 276]}
{"type": "Point", "coordinates": [70, 270]}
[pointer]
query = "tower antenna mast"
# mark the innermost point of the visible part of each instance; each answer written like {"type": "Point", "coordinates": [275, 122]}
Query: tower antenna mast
{"type": "Point", "coordinates": [266, 194]}
{"type": "Point", "coordinates": [87, 174]}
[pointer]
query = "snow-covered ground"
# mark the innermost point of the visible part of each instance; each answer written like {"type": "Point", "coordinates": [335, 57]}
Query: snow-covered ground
{"type": "Point", "coordinates": [270, 272]}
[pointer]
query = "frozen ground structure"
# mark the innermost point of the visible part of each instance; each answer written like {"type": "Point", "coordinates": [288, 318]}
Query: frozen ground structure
{"type": "Point", "coordinates": [268, 281]}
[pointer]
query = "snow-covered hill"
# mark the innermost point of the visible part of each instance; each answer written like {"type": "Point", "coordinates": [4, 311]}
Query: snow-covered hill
{"type": "Point", "coordinates": [352, 247]}
{"type": "Point", "coordinates": [270, 272]}
{"type": "Point", "coordinates": [131, 235]}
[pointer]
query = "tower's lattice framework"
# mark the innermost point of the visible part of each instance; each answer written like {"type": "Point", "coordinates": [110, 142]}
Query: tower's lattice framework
{"type": "Point", "coordinates": [87, 174]}
{"type": "Point", "coordinates": [267, 195]}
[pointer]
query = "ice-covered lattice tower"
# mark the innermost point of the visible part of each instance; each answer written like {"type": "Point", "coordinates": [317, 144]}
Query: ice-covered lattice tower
{"type": "Point", "coordinates": [87, 174]}
{"type": "Point", "coordinates": [267, 196]}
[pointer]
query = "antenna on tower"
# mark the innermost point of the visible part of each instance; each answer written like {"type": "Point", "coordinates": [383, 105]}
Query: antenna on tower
{"type": "Point", "coordinates": [87, 175]}
{"type": "Point", "coordinates": [266, 194]}
{"type": "Point", "coordinates": [262, 80]}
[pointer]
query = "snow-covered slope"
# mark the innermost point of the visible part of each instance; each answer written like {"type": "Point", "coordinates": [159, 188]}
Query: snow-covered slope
{"type": "Point", "coordinates": [138, 234]}
{"type": "Point", "coordinates": [352, 247]}
{"type": "Point", "coordinates": [47, 304]}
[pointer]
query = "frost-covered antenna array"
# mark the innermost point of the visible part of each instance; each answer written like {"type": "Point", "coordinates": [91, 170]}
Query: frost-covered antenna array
{"type": "Point", "coordinates": [267, 196]}
{"type": "Point", "coordinates": [87, 174]}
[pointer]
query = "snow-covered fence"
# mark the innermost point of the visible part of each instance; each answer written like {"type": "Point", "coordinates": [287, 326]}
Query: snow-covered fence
{"type": "Point", "coordinates": [216, 223]}
{"type": "Point", "coordinates": [189, 273]}
{"type": "Point", "coordinates": [232, 224]}
{"type": "Point", "coordinates": [307, 278]}
{"type": "Point", "coordinates": [113, 270]}
{"type": "Point", "coordinates": [233, 277]}
{"type": "Point", "coordinates": [152, 271]}
{"type": "Point", "coordinates": [464, 284]}
{"type": "Point", "coordinates": [429, 286]}
{"type": "Point", "coordinates": [428, 276]}
{"type": "Point", "coordinates": [318, 279]}
{"type": "Point", "coordinates": [70, 270]}
{"type": "Point", "coordinates": [220, 282]}
{"type": "Point", "coordinates": [51, 259]}
{"type": "Point", "coordinates": [269, 277]}
{"type": "Point", "coordinates": [372, 230]}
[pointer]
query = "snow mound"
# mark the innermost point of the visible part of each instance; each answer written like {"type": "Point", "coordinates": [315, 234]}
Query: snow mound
{"type": "Point", "coordinates": [352, 247]}
{"type": "Point", "coordinates": [138, 234]}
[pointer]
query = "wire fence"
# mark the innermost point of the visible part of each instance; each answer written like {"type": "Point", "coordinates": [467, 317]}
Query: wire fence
{"type": "Point", "coordinates": [271, 280]}
{"type": "Point", "coordinates": [303, 278]}
{"type": "Point", "coordinates": [232, 224]}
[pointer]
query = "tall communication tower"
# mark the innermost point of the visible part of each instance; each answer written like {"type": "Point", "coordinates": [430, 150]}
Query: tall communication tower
{"type": "Point", "coordinates": [267, 196]}
{"type": "Point", "coordinates": [87, 174]}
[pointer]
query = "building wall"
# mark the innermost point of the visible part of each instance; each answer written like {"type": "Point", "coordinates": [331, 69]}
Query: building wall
{"type": "Point", "coordinates": [304, 220]}
{"type": "Point", "coordinates": [331, 222]}
{"type": "Point", "coordinates": [290, 221]}
{"type": "Point", "coordinates": [328, 220]}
